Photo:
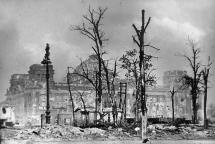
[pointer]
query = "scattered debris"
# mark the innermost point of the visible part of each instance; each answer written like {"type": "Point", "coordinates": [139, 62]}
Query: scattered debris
{"type": "Point", "coordinates": [156, 131]}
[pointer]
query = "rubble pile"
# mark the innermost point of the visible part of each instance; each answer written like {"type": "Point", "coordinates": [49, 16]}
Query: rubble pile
{"type": "Point", "coordinates": [156, 131]}
{"type": "Point", "coordinates": [118, 133]}
{"type": "Point", "coordinates": [51, 131]}
{"type": "Point", "coordinates": [184, 132]}
{"type": "Point", "coordinates": [197, 133]}
{"type": "Point", "coordinates": [70, 133]}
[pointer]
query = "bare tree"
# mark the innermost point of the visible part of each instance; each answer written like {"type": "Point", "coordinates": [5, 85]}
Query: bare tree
{"type": "Point", "coordinates": [92, 29]}
{"type": "Point", "coordinates": [194, 80]}
{"type": "Point", "coordinates": [177, 85]}
{"type": "Point", "coordinates": [85, 73]}
{"type": "Point", "coordinates": [143, 58]}
{"type": "Point", "coordinates": [86, 113]}
{"type": "Point", "coordinates": [205, 74]}
{"type": "Point", "coordinates": [71, 97]}
{"type": "Point", "coordinates": [173, 91]}
{"type": "Point", "coordinates": [88, 73]}
{"type": "Point", "coordinates": [110, 76]}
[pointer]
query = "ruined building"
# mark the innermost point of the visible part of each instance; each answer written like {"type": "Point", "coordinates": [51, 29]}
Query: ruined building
{"type": "Point", "coordinates": [27, 94]}
{"type": "Point", "coordinates": [159, 98]}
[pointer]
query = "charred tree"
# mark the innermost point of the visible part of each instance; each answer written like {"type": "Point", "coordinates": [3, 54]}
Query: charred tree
{"type": "Point", "coordinates": [205, 74]}
{"type": "Point", "coordinates": [110, 76]}
{"type": "Point", "coordinates": [71, 98]}
{"type": "Point", "coordinates": [194, 80]}
{"type": "Point", "coordinates": [91, 28]}
{"type": "Point", "coordinates": [86, 113]}
{"type": "Point", "coordinates": [143, 66]}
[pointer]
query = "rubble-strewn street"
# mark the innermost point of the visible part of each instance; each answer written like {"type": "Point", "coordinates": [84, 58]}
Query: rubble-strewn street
{"type": "Point", "coordinates": [57, 133]}
{"type": "Point", "coordinates": [107, 72]}
{"type": "Point", "coordinates": [114, 142]}
{"type": "Point", "coordinates": [65, 133]}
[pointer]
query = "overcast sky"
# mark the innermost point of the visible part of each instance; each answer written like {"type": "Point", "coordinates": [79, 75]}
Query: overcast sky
{"type": "Point", "coordinates": [26, 25]}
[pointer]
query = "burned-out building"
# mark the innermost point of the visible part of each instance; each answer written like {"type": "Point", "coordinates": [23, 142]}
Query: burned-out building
{"type": "Point", "coordinates": [159, 101]}
{"type": "Point", "coordinates": [27, 94]}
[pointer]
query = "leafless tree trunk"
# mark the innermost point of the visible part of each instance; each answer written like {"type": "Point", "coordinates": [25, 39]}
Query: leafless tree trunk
{"type": "Point", "coordinates": [142, 69]}
{"type": "Point", "coordinates": [94, 32]}
{"type": "Point", "coordinates": [194, 81]}
{"type": "Point", "coordinates": [81, 94]}
{"type": "Point", "coordinates": [92, 78]}
{"type": "Point", "coordinates": [110, 76]}
{"type": "Point", "coordinates": [71, 98]}
{"type": "Point", "coordinates": [205, 73]}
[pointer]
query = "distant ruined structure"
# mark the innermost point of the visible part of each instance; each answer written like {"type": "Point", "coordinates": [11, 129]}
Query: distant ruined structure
{"type": "Point", "coordinates": [159, 98]}
{"type": "Point", "coordinates": [173, 78]}
{"type": "Point", "coordinates": [27, 94]}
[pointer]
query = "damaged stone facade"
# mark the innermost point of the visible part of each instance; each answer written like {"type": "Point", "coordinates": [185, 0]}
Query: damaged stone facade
{"type": "Point", "coordinates": [159, 99]}
{"type": "Point", "coordinates": [159, 103]}
{"type": "Point", "coordinates": [27, 94]}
